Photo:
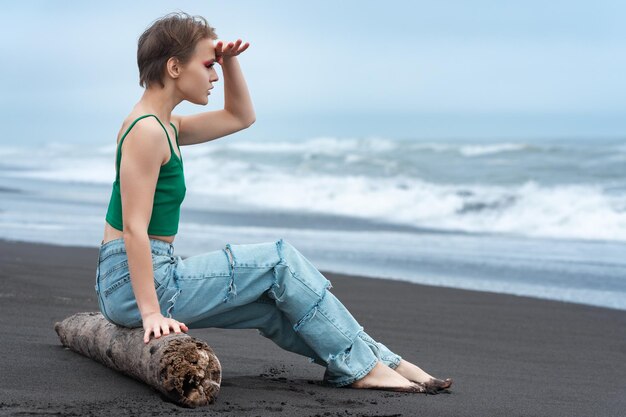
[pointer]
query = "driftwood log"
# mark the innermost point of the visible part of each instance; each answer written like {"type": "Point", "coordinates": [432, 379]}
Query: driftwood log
{"type": "Point", "coordinates": [184, 369]}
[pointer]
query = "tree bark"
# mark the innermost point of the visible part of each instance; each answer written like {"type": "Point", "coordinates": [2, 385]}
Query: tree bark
{"type": "Point", "coordinates": [184, 369]}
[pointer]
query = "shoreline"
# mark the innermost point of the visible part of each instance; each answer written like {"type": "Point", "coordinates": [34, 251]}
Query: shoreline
{"type": "Point", "coordinates": [508, 354]}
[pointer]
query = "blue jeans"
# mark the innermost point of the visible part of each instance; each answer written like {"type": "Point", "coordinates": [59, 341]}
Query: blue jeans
{"type": "Point", "coordinates": [267, 286]}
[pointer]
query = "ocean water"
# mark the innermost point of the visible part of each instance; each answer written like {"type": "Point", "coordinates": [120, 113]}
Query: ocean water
{"type": "Point", "coordinates": [539, 218]}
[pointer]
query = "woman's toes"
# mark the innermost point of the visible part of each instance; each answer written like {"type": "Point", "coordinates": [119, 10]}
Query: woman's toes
{"type": "Point", "coordinates": [446, 383]}
{"type": "Point", "coordinates": [438, 384]}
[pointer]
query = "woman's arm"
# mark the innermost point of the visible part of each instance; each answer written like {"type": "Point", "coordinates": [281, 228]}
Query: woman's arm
{"type": "Point", "coordinates": [139, 172]}
{"type": "Point", "coordinates": [238, 112]}
{"type": "Point", "coordinates": [237, 99]}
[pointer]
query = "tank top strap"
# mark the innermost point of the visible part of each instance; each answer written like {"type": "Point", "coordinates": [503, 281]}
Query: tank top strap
{"type": "Point", "coordinates": [119, 145]}
{"type": "Point", "coordinates": [176, 132]}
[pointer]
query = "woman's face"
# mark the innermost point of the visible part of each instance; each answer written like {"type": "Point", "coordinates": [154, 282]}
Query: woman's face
{"type": "Point", "coordinates": [199, 74]}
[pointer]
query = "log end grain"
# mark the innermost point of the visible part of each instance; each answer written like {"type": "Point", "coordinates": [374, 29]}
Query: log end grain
{"type": "Point", "coordinates": [190, 372]}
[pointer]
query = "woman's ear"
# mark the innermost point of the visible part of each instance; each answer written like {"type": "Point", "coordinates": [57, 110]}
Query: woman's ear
{"type": "Point", "coordinates": [173, 67]}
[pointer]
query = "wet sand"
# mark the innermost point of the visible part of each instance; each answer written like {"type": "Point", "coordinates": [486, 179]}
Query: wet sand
{"type": "Point", "coordinates": [508, 355]}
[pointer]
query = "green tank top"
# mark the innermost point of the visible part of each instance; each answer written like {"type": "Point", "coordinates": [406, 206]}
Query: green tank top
{"type": "Point", "coordinates": [168, 196]}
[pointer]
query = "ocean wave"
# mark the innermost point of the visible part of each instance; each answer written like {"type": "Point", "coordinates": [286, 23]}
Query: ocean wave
{"type": "Point", "coordinates": [320, 145]}
{"type": "Point", "coordinates": [357, 178]}
{"type": "Point", "coordinates": [530, 209]}
{"type": "Point", "coordinates": [334, 146]}
{"type": "Point", "coordinates": [479, 150]}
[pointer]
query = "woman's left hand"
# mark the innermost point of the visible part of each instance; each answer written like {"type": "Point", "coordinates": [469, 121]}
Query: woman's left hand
{"type": "Point", "coordinates": [232, 49]}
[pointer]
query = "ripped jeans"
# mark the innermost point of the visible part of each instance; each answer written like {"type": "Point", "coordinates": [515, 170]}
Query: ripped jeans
{"type": "Point", "coordinates": [267, 286]}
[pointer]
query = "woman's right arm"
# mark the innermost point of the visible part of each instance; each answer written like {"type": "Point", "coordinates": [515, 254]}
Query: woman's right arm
{"type": "Point", "coordinates": [139, 171]}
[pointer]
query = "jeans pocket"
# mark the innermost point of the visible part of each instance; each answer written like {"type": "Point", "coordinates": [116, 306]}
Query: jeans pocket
{"type": "Point", "coordinates": [110, 268]}
{"type": "Point", "coordinates": [115, 273]}
{"type": "Point", "coordinates": [115, 281]}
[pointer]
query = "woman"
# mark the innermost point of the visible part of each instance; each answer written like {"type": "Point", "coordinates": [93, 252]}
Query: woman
{"type": "Point", "coordinates": [269, 286]}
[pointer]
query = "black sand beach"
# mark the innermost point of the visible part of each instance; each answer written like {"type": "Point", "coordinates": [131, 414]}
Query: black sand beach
{"type": "Point", "coordinates": [508, 355]}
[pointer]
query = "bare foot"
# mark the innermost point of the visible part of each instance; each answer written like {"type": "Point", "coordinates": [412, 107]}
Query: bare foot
{"type": "Point", "coordinates": [437, 384]}
{"type": "Point", "coordinates": [383, 377]}
{"type": "Point", "coordinates": [415, 374]}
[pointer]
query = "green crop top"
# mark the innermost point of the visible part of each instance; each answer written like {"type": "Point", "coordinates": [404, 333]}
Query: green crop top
{"type": "Point", "coordinates": [168, 196]}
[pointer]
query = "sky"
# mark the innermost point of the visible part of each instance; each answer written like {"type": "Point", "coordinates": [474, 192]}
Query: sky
{"type": "Point", "coordinates": [398, 69]}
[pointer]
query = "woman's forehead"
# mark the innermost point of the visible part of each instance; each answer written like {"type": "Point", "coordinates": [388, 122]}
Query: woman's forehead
{"type": "Point", "coordinates": [205, 48]}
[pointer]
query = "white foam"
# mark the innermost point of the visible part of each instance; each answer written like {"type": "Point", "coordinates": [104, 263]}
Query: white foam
{"type": "Point", "coordinates": [479, 150]}
{"type": "Point", "coordinates": [318, 145]}
{"type": "Point", "coordinates": [354, 178]}
{"type": "Point", "coordinates": [578, 211]}
{"type": "Point", "coordinates": [472, 150]}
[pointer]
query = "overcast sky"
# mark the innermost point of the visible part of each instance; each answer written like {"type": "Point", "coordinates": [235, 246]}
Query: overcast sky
{"type": "Point", "coordinates": [406, 69]}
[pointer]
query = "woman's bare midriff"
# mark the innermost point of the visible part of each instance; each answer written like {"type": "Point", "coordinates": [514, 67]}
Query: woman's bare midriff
{"type": "Point", "coordinates": [111, 233]}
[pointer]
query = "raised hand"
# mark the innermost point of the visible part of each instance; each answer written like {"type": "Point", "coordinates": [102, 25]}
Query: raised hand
{"type": "Point", "coordinates": [232, 49]}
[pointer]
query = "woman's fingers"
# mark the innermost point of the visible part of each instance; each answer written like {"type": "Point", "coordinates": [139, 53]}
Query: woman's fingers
{"type": "Point", "coordinates": [164, 328]}
{"type": "Point", "coordinates": [245, 46]}
{"type": "Point", "coordinates": [179, 326]}
{"type": "Point", "coordinates": [231, 48]}
{"type": "Point", "coordinates": [239, 50]}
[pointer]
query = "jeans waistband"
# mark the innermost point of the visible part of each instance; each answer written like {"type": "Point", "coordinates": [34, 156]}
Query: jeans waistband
{"type": "Point", "coordinates": [158, 247]}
